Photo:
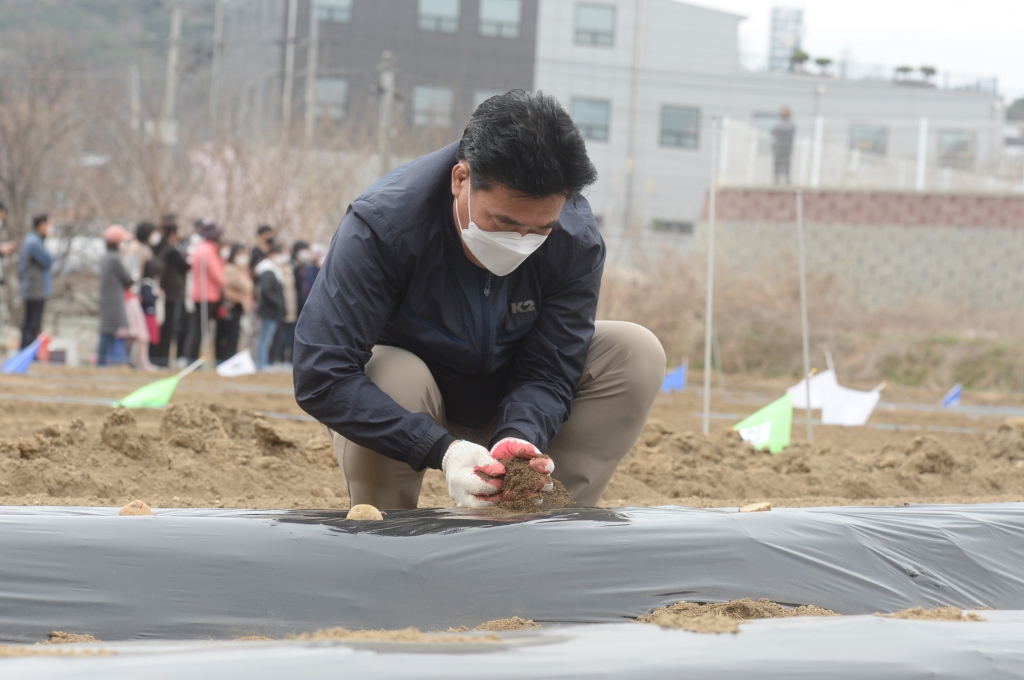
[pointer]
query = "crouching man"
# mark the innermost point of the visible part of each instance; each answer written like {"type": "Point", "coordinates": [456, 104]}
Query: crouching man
{"type": "Point", "coordinates": [452, 325]}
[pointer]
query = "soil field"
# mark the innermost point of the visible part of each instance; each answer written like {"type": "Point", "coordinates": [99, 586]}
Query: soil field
{"type": "Point", "coordinates": [244, 442]}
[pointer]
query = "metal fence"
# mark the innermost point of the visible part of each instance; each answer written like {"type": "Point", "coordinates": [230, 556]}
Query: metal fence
{"type": "Point", "coordinates": [924, 154]}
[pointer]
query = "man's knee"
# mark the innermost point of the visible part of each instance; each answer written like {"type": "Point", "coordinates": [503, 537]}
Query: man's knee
{"type": "Point", "coordinates": [641, 352]}
{"type": "Point", "coordinates": [404, 377]}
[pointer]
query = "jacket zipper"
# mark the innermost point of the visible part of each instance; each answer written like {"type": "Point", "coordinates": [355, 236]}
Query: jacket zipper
{"type": "Point", "coordinates": [485, 350]}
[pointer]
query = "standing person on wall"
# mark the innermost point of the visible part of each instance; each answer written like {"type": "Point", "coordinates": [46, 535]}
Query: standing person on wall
{"type": "Point", "coordinates": [114, 281]}
{"type": "Point", "coordinates": [207, 287]}
{"type": "Point", "coordinates": [452, 325]}
{"type": "Point", "coordinates": [36, 283]}
{"type": "Point", "coordinates": [271, 308]}
{"type": "Point", "coordinates": [172, 281]}
{"type": "Point", "coordinates": [237, 300]}
{"type": "Point", "coordinates": [782, 147]}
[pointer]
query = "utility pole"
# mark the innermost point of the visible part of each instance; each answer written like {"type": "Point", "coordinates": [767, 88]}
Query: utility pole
{"type": "Point", "coordinates": [819, 135]}
{"type": "Point", "coordinates": [709, 305]}
{"type": "Point", "coordinates": [215, 75]}
{"type": "Point", "coordinates": [803, 309]}
{"type": "Point", "coordinates": [312, 63]}
{"type": "Point", "coordinates": [168, 125]}
{"type": "Point", "coordinates": [386, 110]}
{"type": "Point", "coordinates": [634, 114]}
{"type": "Point", "coordinates": [289, 68]}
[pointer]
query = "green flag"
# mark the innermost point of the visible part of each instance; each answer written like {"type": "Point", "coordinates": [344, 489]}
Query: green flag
{"type": "Point", "coordinates": [156, 394]}
{"type": "Point", "coordinates": [770, 426]}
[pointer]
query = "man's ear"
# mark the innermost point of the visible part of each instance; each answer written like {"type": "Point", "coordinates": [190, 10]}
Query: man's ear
{"type": "Point", "coordinates": [460, 174]}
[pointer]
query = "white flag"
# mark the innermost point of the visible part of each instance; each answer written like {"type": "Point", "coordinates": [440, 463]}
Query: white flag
{"type": "Point", "coordinates": [821, 384]}
{"type": "Point", "coordinates": [240, 364]}
{"type": "Point", "coordinates": [844, 406]}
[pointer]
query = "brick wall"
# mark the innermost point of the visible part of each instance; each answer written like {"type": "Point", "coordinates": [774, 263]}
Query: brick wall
{"type": "Point", "coordinates": [871, 208]}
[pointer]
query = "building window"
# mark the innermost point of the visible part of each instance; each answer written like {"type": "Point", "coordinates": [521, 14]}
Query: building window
{"type": "Point", "coordinates": [956, 149]}
{"type": "Point", "coordinates": [501, 18]}
{"type": "Point", "coordinates": [334, 11]}
{"type": "Point", "coordinates": [591, 117]}
{"type": "Point", "coordinates": [440, 16]}
{"type": "Point", "coordinates": [480, 96]}
{"type": "Point", "coordinates": [431, 106]}
{"type": "Point", "coordinates": [680, 127]}
{"type": "Point", "coordinates": [331, 98]}
{"type": "Point", "coordinates": [595, 25]}
{"type": "Point", "coordinates": [873, 139]}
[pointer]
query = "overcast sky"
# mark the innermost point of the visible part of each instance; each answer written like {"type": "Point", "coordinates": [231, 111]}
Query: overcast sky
{"type": "Point", "coordinates": [984, 38]}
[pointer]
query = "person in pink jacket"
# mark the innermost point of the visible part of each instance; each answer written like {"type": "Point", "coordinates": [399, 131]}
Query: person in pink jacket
{"type": "Point", "coordinates": [207, 288]}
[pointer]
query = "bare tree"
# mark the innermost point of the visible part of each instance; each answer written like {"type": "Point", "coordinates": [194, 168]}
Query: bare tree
{"type": "Point", "coordinates": [37, 114]}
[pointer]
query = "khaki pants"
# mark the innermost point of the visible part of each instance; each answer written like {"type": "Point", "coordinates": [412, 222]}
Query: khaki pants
{"type": "Point", "coordinates": [624, 370]}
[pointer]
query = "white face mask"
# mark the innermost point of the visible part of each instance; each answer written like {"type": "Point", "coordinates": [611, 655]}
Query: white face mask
{"type": "Point", "coordinates": [499, 251]}
{"type": "Point", "coordinates": [154, 240]}
{"type": "Point", "coordinates": [224, 252]}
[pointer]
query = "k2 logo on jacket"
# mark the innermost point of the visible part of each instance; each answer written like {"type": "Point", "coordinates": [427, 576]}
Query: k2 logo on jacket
{"type": "Point", "coordinates": [524, 307]}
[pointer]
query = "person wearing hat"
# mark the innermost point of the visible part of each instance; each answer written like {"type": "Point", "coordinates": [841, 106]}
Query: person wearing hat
{"type": "Point", "coordinates": [114, 281]}
{"type": "Point", "coordinates": [207, 286]}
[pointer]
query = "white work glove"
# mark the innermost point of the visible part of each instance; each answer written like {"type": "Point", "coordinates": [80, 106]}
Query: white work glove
{"type": "Point", "coordinates": [510, 447]}
{"type": "Point", "coordinates": [474, 477]}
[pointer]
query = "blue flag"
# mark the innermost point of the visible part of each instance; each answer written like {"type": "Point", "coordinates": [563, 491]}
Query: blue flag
{"type": "Point", "coordinates": [20, 362]}
{"type": "Point", "coordinates": [952, 398]}
{"type": "Point", "coordinates": [675, 381]}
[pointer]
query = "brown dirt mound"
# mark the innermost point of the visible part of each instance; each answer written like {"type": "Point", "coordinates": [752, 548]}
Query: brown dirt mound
{"type": "Point", "coordinates": [407, 635]}
{"type": "Point", "coordinates": [190, 455]}
{"type": "Point", "coordinates": [58, 637]}
{"type": "Point", "coordinates": [936, 614]}
{"type": "Point", "coordinates": [515, 623]}
{"type": "Point", "coordinates": [694, 616]}
{"type": "Point", "coordinates": [520, 493]}
{"type": "Point", "coordinates": [667, 466]}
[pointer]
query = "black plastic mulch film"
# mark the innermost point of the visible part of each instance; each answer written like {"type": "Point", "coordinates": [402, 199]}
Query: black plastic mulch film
{"type": "Point", "coordinates": [200, 574]}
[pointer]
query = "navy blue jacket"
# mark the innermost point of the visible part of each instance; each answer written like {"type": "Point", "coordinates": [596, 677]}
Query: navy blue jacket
{"type": "Point", "coordinates": [508, 349]}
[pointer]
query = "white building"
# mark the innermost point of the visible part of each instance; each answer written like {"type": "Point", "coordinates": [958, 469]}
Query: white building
{"type": "Point", "coordinates": [644, 78]}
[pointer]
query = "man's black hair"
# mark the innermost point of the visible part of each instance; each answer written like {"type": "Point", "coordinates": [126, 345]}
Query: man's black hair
{"type": "Point", "coordinates": [39, 219]}
{"type": "Point", "coordinates": [168, 228]}
{"type": "Point", "coordinates": [263, 229]}
{"type": "Point", "coordinates": [526, 142]}
{"type": "Point", "coordinates": [297, 246]}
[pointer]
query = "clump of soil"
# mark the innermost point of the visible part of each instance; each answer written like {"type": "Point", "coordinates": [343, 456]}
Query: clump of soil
{"type": "Point", "coordinates": [1007, 442]}
{"type": "Point", "coordinates": [405, 635]}
{"type": "Point", "coordinates": [936, 614]}
{"type": "Point", "coordinates": [59, 637]}
{"type": "Point", "coordinates": [254, 638]}
{"type": "Point", "coordinates": [121, 433]}
{"type": "Point", "coordinates": [722, 617]}
{"type": "Point", "coordinates": [515, 623]}
{"type": "Point", "coordinates": [520, 491]}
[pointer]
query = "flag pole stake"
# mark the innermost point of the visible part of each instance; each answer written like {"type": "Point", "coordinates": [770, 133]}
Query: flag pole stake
{"type": "Point", "coordinates": [803, 307]}
{"type": "Point", "coordinates": [708, 312]}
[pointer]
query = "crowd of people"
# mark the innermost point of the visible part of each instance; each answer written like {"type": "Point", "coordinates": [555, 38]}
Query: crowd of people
{"type": "Point", "coordinates": [164, 294]}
